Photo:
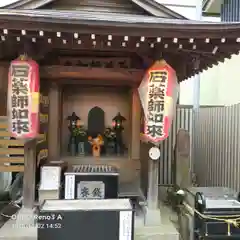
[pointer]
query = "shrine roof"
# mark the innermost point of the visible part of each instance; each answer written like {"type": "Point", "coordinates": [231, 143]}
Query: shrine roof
{"type": "Point", "coordinates": [182, 41]}
{"type": "Point", "coordinates": [152, 7]}
{"type": "Point", "coordinates": [217, 29]}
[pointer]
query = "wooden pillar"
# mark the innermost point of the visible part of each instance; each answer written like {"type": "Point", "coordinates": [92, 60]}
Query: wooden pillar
{"type": "Point", "coordinates": [3, 90]}
{"type": "Point", "coordinates": [29, 174]}
{"type": "Point", "coordinates": [135, 123]}
{"type": "Point", "coordinates": [54, 123]}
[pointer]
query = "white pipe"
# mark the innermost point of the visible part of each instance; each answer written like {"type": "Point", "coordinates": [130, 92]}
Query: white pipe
{"type": "Point", "coordinates": [196, 92]}
{"type": "Point", "coordinates": [196, 85]}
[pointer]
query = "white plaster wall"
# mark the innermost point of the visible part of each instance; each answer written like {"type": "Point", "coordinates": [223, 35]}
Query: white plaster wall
{"type": "Point", "coordinates": [218, 85]}
{"type": "Point", "coordinates": [7, 2]}
{"type": "Point", "coordinates": [184, 7]}
{"type": "Point", "coordinates": [209, 91]}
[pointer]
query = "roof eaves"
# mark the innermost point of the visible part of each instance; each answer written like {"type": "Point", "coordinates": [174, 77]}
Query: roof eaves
{"type": "Point", "coordinates": [118, 20]}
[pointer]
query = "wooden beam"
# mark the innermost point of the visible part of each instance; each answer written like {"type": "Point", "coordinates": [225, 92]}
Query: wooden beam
{"type": "Point", "coordinates": [99, 62]}
{"type": "Point", "coordinates": [101, 43]}
{"type": "Point", "coordinates": [17, 168]}
{"type": "Point", "coordinates": [106, 74]}
{"type": "Point", "coordinates": [123, 29]}
{"type": "Point", "coordinates": [4, 125]}
{"type": "Point", "coordinates": [89, 82]}
{"type": "Point", "coordinates": [29, 174]}
{"type": "Point", "coordinates": [11, 159]}
{"type": "Point", "coordinates": [11, 142]}
{"type": "Point", "coordinates": [11, 151]}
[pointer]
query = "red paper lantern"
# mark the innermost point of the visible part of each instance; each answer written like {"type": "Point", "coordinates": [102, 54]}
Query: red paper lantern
{"type": "Point", "coordinates": [158, 93]}
{"type": "Point", "coordinates": [23, 98]}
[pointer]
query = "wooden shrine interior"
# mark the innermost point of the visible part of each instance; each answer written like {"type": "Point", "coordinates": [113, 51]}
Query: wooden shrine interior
{"type": "Point", "coordinates": [82, 98]}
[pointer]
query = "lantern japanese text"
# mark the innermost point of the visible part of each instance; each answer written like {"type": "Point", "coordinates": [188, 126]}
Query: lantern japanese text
{"type": "Point", "coordinates": [23, 98]}
{"type": "Point", "coordinates": [158, 93]}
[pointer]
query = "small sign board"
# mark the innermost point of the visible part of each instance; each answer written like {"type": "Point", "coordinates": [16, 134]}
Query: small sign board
{"type": "Point", "coordinates": [50, 177]}
{"type": "Point", "coordinates": [154, 153]}
{"type": "Point", "coordinates": [90, 190]}
{"type": "Point", "coordinates": [125, 225]}
{"type": "Point", "coordinates": [183, 160]}
{"type": "Point", "coordinates": [69, 186]}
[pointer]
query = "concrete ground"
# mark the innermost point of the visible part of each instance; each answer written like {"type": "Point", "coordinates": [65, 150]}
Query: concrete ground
{"type": "Point", "coordinates": [23, 228]}
{"type": "Point", "coordinates": [167, 230]}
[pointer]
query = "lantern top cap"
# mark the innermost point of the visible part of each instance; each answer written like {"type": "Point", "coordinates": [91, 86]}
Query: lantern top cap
{"type": "Point", "coordinates": [73, 117]}
{"type": "Point", "coordinates": [119, 117]}
{"type": "Point", "coordinates": [161, 61]}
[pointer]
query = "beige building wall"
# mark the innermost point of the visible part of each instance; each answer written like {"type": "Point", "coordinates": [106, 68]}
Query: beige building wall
{"type": "Point", "coordinates": [218, 85]}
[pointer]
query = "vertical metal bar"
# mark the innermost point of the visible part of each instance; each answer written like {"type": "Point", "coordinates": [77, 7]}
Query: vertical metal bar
{"type": "Point", "coordinates": [235, 9]}
{"type": "Point", "coordinates": [196, 85]}
{"type": "Point", "coordinates": [231, 13]}
{"type": "Point", "coordinates": [237, 145]}
{"type": "Point", "coordinates": [237, 5]}
{"type": "Point", "coordinates": [238, 10]}
{"type": "Point", "coordinates": [228, 11]}
{"type": "Point", "coordinates": [222, 13]}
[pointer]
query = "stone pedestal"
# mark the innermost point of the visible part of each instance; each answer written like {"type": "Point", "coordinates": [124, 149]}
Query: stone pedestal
{"type": "Point", "coordinates": [45, 194]}
{"type": "Point", "coordinates": [153, 214]}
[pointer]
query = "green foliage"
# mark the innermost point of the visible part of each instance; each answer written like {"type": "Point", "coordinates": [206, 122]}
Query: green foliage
{"type": "Point", "coordinates": [79, 131]}
{"type": "Point", "coordinates": [109, 133]}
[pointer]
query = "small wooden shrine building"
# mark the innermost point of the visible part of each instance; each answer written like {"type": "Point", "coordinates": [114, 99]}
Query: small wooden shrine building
{"type": "Point", "coordinates": [100, 48]}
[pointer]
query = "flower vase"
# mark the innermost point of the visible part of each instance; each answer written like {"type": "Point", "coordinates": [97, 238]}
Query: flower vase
{"type": "Point", "coordinates": [73, 146]}
{"type": "Point", "coordinates": [81, 149]}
